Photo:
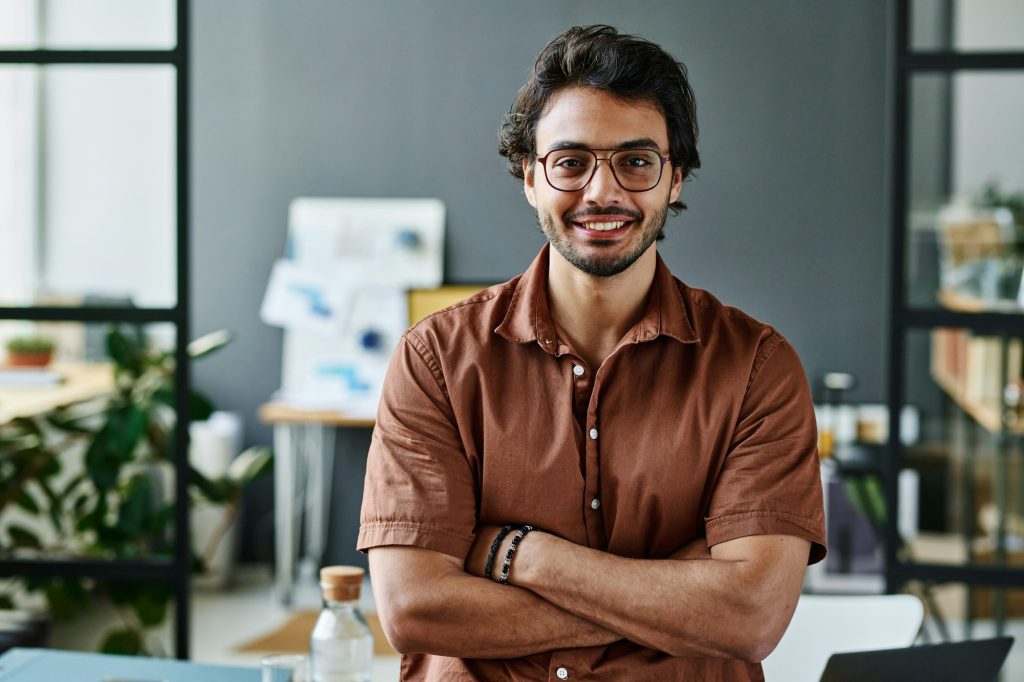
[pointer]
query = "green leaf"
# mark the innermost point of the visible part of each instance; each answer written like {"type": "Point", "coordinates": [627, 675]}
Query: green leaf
{"type": "Point", "coordinates": [52, 465]}
{"type": "Point", "coordinates": [150, 605]}
{"type": "Point", "coordinates": [27, 425]}
{"type": "Point", "coordinates": [67, 597]}
{"type": "Point", "coordinates": [54, 504]}
{"type": "Point", "coordinates": [22, 537]}
{"type": "Point", "coordinates": [122, 593]}
{"type": "Point", "coordinates": [135, 506]}
{"type": "Point", "coordinates": [26, 502]}
{"type": "Point", "coordinates": [93, 519]}
{"type": "Point", "coordinates": [126, 352]}
{"type": "Point", "coordinates": [70, 486]}
{"type": "Point", "coordinates": [252, 464]}
{"type": "Point", "coordinates": [217, 491]}
{"type": "Point", "coordinates": [79, 504]}
{"type": "Point", "coordinates": [162, 519]}
{"type": "Point", "coordinates": [101, 460]}
{"type": "Point", "coordinates": [208, 343]}
{"type": "Point", "coordinates": [127, 425]}
{"type": "Point", "coordinates": [114, 445]}
{"type": "Point", "coordinates": [68, 425]}
{"type": "Point", "coordinates": [199, 407]}
{"type": "Point", "coordinates": [122, 641]}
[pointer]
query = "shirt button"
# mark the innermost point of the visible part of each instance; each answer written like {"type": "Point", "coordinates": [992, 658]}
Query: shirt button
{"type": "Point", "coordinates": [595, 503]}
{"type": "Point", "coordinates": [593, 434]}
{"type": "Point", "coordinates": [577, 370]}
{"type": "Point", "coordinates": [562, 673]}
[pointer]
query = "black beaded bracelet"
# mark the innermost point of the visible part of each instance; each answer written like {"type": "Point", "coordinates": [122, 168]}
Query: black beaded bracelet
{"type": "Point", "coordinates": [489, 566]}
{"type": "Point", "coordinates": [516, 539]}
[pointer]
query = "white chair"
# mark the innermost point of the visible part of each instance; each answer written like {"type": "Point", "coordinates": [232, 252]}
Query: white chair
{"type": "Point", "coordinates": [825, 625]}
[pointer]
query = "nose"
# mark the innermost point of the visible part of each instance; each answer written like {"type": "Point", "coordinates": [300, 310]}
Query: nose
{"type": "Point", "coordinates": [603, 188]}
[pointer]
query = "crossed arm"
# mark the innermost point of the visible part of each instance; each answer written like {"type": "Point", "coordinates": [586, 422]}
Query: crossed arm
{"type": "Point", "coordinates": [733, 602]}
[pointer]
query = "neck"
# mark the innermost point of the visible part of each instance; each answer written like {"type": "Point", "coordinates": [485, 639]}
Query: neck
{"type": "Point", "coordinates": [596, 312]}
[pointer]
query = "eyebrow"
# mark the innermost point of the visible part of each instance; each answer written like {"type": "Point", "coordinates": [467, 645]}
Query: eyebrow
{"type": "Point", "coordinates": [641, 143]}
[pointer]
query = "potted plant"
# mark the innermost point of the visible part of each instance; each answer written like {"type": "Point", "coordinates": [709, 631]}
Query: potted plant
{"type": "Point", "coordinates": [29, 351]}
{"type": "Point", "coordinates": [108, 502]}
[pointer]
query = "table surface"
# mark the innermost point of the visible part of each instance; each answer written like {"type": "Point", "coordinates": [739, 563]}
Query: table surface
{"type": "Point", "coordinates": [35, 665]}
{"type": "Point", "coordinates": [279, 413]}
{"type": "Point", "coordinates": [82, 381]}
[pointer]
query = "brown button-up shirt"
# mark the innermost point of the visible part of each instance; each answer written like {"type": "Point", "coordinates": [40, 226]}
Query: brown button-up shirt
{"type": "Point", "coordinates": [699, 423]}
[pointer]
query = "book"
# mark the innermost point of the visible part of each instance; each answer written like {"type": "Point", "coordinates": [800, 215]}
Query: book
{"type": "Point", "coordinates": [12, 377]}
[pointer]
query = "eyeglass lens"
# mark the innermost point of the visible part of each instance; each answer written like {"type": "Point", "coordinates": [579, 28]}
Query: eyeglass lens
{"type": "Point", "coordinates": [569, 170]}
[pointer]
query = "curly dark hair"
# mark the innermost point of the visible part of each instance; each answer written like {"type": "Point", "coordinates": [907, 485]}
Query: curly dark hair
{"type": "Point", "coordinates": [626, 66]}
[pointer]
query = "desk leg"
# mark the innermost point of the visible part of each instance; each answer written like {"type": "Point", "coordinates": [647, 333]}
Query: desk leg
{"type": "Point", "coordinates": [284, 512]}
{"type": "Point", "coordinates": [319, 484]}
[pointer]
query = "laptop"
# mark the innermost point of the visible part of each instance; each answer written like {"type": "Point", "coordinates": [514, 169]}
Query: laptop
{"type": "Point", "coordinates": [976, 660]}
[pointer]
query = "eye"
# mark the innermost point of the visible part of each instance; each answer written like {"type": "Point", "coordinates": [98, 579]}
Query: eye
{"type": "Point", "coordinates": [568, 162]}
{"type": "Point", "coordinates": [635, 161]}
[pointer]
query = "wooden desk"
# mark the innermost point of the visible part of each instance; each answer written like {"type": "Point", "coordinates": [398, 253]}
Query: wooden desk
{"type": "Point", "coordinates": [303, 477]}
{"type": "Point", "coordinates": [82, 381]}
{"type": "Point", "coordinates": [277, 413]}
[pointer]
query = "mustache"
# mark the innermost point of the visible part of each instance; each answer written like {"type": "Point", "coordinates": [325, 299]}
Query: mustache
{"type": "Point", "coordinates": [586, 212]}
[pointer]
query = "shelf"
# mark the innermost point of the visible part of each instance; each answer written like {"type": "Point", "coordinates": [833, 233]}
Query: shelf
{"type": "Point", "coordinates": [985, 414]}
{"type": "Point", "coordinates": [965, 303]}
{"type": "Point", "coordinates": [91, 314]}
{"type": "Point", "coordinates": [113, 569]}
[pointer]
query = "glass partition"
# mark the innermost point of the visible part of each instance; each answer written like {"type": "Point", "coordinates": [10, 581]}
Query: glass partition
{"type": "Point", "coordinates": [968, 389]}
{"type": "Point", "coordinates": [87, 185]}
{"type": "Point", "coordinates": [965, 191]}
{"type": "Point", "coordinates": [87, 24]}
{"type": "Point", "coordinates": [966, 25]}
{"type": "Point", "coordinates": [87, 429]}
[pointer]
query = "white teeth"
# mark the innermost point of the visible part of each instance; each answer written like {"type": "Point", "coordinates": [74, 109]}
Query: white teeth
{"type": "Point", "coordinates": [604, 227]}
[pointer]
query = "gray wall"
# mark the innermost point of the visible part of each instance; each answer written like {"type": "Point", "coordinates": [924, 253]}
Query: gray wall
{"type": "Point", "coordinates": [787, 218]}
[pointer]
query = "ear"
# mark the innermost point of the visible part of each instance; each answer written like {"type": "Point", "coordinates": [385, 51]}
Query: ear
{"type": "Point", "coordinates": [677, 184]}
{"type": "Point", "coordinates": [528, 186]}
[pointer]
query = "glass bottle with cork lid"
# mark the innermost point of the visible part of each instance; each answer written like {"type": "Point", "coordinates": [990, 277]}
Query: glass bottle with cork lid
{"type": "Point", "coordinates": [341, 646]}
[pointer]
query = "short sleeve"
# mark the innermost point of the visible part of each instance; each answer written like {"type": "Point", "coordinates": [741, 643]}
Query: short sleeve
{"type": "Point", "coordinates": [770, 482]}
{"type": "Point", "coordinates": [419, 489]}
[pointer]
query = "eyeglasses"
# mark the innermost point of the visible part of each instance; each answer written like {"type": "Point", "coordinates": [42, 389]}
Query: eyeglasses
{"type": "Point", "coordinates": [570, 170]}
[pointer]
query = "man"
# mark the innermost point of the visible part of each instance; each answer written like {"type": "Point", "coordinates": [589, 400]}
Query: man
{"type": "Point", "coordinates": [593, 471]}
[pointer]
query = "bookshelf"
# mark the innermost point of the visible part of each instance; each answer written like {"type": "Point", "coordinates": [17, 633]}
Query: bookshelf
{"type": "Point", "coordinates": [974, 343]}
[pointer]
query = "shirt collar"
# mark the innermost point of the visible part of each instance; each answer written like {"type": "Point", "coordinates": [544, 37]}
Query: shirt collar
{"type": "Point", "coordinates": [529, 318]}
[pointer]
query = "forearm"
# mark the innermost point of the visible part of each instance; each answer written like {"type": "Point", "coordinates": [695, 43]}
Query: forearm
{"type": "Point", "coordinates": [451, 613]}
{"type": "Point", "coordinates": [721, 608]}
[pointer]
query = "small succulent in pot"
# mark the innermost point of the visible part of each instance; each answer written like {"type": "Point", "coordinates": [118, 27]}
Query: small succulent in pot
{"type": "Point", "coordinates": [29, 351]}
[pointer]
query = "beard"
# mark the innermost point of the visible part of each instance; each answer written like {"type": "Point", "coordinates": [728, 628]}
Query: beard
{"type": "Point", "coordinates": [598, 266]}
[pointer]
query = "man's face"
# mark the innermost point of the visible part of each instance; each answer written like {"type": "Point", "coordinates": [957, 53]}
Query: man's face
{"type": "Point", "coordinates": [572, 220]}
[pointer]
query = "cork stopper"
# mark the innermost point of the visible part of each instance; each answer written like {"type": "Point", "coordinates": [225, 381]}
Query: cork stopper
{"type": "Point", "coordinates": [341, 583]}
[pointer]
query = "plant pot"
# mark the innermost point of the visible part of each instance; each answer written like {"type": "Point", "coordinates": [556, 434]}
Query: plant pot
{"type": "Point", "coordinates": [21, 359]}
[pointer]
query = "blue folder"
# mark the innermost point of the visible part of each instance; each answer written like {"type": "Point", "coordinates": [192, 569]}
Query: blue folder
{"type": "Point", "coordinates": [51, 665]}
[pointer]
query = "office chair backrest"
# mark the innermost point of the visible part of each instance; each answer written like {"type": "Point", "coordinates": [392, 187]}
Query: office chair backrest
{"type": "Point", "coordinates": [825, 625]}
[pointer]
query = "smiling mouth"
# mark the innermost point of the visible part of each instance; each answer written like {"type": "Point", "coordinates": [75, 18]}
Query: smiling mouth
{"type": "Point", "coordinates": [609, 228]}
